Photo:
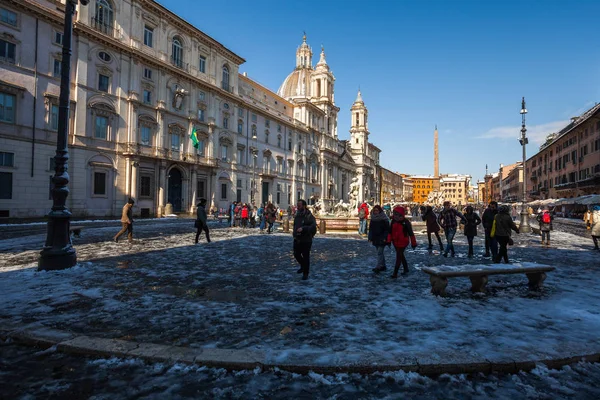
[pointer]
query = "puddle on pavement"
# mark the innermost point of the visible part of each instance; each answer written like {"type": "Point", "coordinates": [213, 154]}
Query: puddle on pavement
{"type": "Point", "coordinates": [125, 264]}
{"type": "Point", "coordinates": [208, 294]}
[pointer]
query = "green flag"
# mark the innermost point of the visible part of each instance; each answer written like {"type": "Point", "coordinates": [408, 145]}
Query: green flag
{"type": "Point", "coordinates": [194, 137]}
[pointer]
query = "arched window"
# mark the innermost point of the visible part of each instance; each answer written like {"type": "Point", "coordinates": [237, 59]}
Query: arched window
{"type": "Point", "coordinates": [177, 56]}
{"type": "Point", "coordinates": [225, 78]}
{"type": "Point", "coordinates": [104, 19]}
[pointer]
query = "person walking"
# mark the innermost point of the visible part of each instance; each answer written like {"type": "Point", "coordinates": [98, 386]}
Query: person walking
{"type": "Point", "coordinates": [379, 228]}
{"type": "Point", "coordinates": [126, 221]}
{"type": "Point", "coordinates": [472, 220]}
{"type": "Point", "coordinates": [244, 214]}
{"type": "Point", "coordinates": [431, 222]}
{"type": "Point", "coordinates": [363, 215]}
{"type": "Point", "coordinates": [261, 216]}
{"type": "Point", "coordinates": [271, 216]}
{"type": "Point", "coordinates": [545, 220]}
{"type": "Point", "coordinates": [595, 225]}
{"type": "Point", "coordinates": [587, 219]}
{"type": "Point", "coordinates": [232, 214]}
{"type": "Point", "coordinates": [501, 230]}
{"type": "Point", "coordinates": [305, 227]}
{"type": "Point", "coordinates": [401, 234]}
{"type": "Point", "coordinates": [447, 220]}
{"type": "Point", "coordinates": [487, 221]}
{"type": "Point", "coordinates": [201, 221]}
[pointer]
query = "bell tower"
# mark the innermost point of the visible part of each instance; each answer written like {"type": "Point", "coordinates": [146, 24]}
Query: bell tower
{"type": "Point", "coordinates": [322, 81]}
{"type": "Point", "coordinates": [359, 129]}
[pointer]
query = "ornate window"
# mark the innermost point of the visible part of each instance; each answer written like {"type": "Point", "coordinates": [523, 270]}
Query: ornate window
{"type": "Point", "coordinates": [146, 127]}
{"type": "Point", "coordinates": [104, 56]}
{"type": "Point", "coordinates": [8, 51]}
{"type": "Point", "coordinates": [102, 116]}
{"type": "Point", "coordinates": [176, 132]}
{"type": "Point", "coordinates": [202, 64]}
{"type": "Point", "coordinates": [240, 126]}
{"type": "Point", "coordinates": [148, 35]}
{"type": "Point", "coordinates": [8, 17]}
{"type": "Point", "coordinates": [225, 78]}
{"type": "Point", "coordinates": [104, 17]}
{"type": "Point", "coordinates": [177, 53]}
{"type": "Point", "coordinates": [225, 122]}
{"type": "Point", "coordinates": [253, 131]}
{"type": "Point", "coordinates": [7, 108]}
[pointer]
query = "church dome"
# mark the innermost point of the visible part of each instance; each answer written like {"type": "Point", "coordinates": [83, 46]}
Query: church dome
{"type": "Point", "coordinates": [297, 84]}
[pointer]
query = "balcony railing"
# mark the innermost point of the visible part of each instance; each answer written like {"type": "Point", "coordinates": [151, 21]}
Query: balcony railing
{"type": "Point", "coordinates": [107, 29]}
{"type": "Point", "coordinates": [178, 62]}
{"type": "Point", "coordinates": [226, 87]}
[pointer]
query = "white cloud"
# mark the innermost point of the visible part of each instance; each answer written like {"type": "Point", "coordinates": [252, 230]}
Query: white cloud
{"type": "Point", "coordinates": [536, 133]}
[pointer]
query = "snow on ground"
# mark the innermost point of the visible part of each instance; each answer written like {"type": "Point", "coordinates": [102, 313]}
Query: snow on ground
{"type": "Point", "coordinates": [28, 373]}
{"type": "Point", "coordinates": [242, 291]}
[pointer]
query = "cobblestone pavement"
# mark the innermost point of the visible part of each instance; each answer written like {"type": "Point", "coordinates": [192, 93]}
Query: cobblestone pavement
{"type": "Point", "coordinates": [29, 373]}
{"type": "Point", "coordinates": [241, 291]}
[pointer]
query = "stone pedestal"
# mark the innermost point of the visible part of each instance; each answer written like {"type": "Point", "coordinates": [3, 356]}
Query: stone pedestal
{"type": "Point", "coordinates": [169, 209]}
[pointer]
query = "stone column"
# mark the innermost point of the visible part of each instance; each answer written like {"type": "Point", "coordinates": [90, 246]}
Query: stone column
{"type": "Point", "coordinates": [135, 165]}
{"type": "Point", "coordinates": [128, 176]}
{"type": "Point", "coordinates": [193, 189]}
{"type": "Point", "coordinates": [162, 178]}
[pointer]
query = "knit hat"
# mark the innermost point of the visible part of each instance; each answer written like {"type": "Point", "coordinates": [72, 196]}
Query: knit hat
{"type": "Point", "coordinates": [400, 210]}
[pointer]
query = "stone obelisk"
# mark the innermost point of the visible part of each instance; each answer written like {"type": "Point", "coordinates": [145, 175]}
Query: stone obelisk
{"type": "Point", "coordinates": [436, 161]}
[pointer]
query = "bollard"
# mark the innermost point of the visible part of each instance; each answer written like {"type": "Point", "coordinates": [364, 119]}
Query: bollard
{"type": "Point", "coordinates": [322, 227]}
{"type": "Point", "coordinates": [286, 225]}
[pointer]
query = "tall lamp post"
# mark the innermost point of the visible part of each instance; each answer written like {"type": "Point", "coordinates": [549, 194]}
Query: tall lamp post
{"type": "Point", "coordinates": [254, 158]}
{"type": "Point", "coordinates": [58, 252]}
{"type": "Point", "coordinates": [524, 225]}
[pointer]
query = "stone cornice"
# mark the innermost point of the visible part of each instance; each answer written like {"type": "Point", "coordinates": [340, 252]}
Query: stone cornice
{"type": "Point", "coordinates": [190, 29]}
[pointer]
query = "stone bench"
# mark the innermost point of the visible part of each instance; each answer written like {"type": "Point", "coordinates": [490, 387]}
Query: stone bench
{"type": "Point", "coordinates": [478, 274]}
{"type": "Point", "coordinates": [76, 230]}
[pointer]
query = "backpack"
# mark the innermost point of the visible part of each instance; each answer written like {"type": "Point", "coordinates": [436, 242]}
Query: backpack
{"type": "Point", "coordinates": [546, 218]}
{"type": "Point", "coordinates": [361, 213]}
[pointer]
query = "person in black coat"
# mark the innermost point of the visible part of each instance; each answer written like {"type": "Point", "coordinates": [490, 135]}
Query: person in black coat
{"type": "Point", "coordinates": [472, 220]}
{"type": "Point", "coordinates": [430, 219]}
{"type": "Point", "coordinates": [379, 228]}
{"type": "Point", "coordinates": [488, 220]}
{"type": "Point", "coordinates": [305, 227]}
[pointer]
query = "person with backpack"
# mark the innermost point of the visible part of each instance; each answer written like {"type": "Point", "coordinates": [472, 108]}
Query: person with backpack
{"type": "Point", "coordinates": [545, 221]}
{"type": "Point", "coordinates": [447, 220]}
{"type": "Point", "coordinates": [595, 224]}
{"type": "Point", "coordinates": [401, 234]}
{"type": "Point", "coordinates": [305, 228]}
{"type": "Point", "coordinates": [472, 220]}
{"type": "Point", "coordinates": [430, 219]}
{"type": "Point", "coordinates": [379, 228]}
{"type": "Point", "coordinates": [201, 223]}
{"type": "Point", "coordinates": [501, 230]}
{"type": "Point", "coordinates": [363, 215]}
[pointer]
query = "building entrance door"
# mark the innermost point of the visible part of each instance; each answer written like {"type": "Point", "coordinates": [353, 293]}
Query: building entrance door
{"type": "Point", "coordinates": [265, 192]}
{"type": "Point", "coordinates": [175, 189]}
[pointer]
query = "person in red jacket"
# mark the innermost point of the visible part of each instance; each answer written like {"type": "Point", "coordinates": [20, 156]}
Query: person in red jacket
{"type": "Point", "coordinates": [363, 216]}
{"type": "Point", "coordinates": [244, 214]}
{"type": "Point", "coordinates": [401, 234]}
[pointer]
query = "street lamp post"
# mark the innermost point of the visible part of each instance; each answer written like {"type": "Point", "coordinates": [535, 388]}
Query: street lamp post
{"type": "Point", "coordinates": [58, 251]}
{"type": "Point", "coordinates": [524, 225]}
{"type": "Point", "coordinates": [254, 158]}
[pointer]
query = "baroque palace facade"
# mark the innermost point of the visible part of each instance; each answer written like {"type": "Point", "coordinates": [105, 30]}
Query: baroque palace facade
{"type": "Point", "coordinates": [142, 79]}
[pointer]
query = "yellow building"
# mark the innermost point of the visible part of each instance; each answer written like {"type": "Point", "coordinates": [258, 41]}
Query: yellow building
{"type": "Point", "coordinates": [422, 186]}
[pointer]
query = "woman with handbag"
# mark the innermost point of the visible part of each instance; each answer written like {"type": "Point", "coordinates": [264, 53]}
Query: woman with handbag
{"type": "Point", "coordinates": [501, 230]}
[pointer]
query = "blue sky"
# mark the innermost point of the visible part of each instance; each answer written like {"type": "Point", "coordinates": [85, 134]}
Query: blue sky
{"type": "Point", "coordinates": [463, 65]}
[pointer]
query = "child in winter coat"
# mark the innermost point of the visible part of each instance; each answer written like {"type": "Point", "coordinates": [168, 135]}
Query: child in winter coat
{"type": "Point", "coordinates": [545, 221]}
{"type": "Point", "coordinates": [379, 228]}
{"type": "Point", "coordinates": [401, 233]}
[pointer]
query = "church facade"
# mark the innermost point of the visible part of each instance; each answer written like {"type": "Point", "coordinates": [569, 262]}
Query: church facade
{"type": "Point", "coordinates": [143, 80]}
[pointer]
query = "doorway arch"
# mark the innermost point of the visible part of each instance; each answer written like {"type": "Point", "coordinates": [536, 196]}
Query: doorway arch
{"type": "Point", "coordinates": [175, 188]}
